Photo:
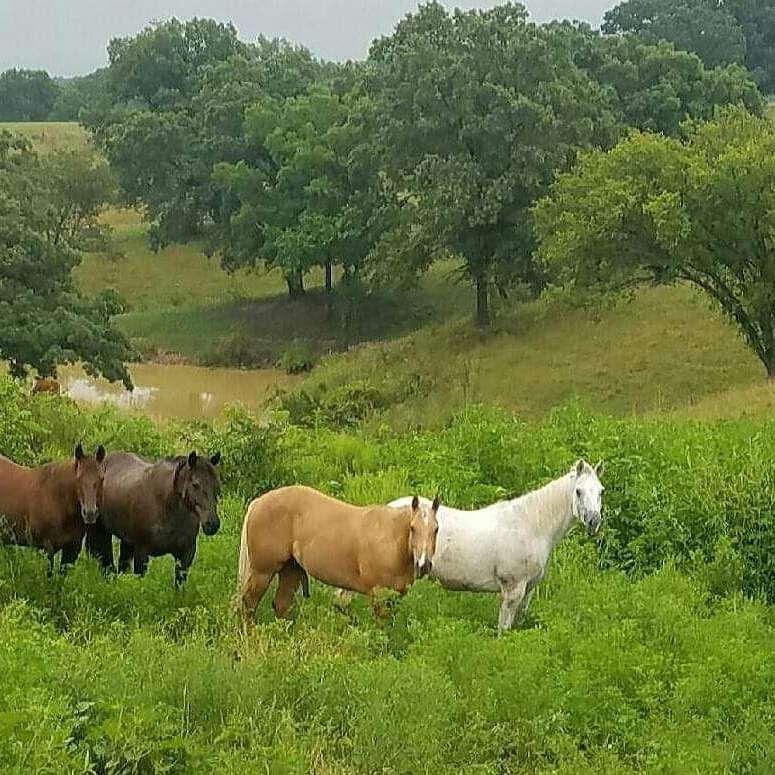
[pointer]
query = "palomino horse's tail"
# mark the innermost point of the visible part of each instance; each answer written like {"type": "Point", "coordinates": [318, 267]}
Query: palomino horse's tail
{"type": "Point", "coordinates": [244, 557]}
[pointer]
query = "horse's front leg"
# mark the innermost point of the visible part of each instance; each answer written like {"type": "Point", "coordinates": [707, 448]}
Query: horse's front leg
{"type": "Point", "coordinates": [512, 602]}
{"type": "Point", "coordinates": [182, 565]}
{"type": "Point", "coordinates": [126, 554]}
{"type": "Point", "coordinates": [69, 555]}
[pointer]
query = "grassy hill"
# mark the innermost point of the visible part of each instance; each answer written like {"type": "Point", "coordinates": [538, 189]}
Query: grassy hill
{"type": "Point", "coordinates": [666, 351]}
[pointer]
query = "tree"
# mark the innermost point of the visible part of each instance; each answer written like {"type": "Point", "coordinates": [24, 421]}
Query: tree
{"type": "Point", "coordinates": [44, 321]}
{"type": "Point", "coordinates": [757, 20]}
{"type": "Point", "coordinates": [78, 97]}
{"type": "Point", "coordinates": [302, 205]}
{"type": "Point", "coordinates": [159, 68]}
{"type": "Point", "coordinates": [474, 113]}
{"type": "Point", "coordinates": [26, 95]}
{"type": "Point", "coordinates": [703, 27]}
{"type": "Point", "coordinates": [181, 91]}
{"type": "Point", "coordinates": [720, 32]}
{"type": "Point", "coordinates": [657, 209]}
{"type": "Point", "coordinates": [655, 87]}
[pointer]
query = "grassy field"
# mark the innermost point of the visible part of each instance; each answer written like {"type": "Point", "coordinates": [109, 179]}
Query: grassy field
{"type": "Point", "coordinates": [649, 651]}
{"type": "Point", "coordinates": [50, 135]}
{"type": "Point", "coordinates": [667, 351]}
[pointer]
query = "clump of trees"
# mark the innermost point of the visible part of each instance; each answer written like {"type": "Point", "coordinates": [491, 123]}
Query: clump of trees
{"type": "Point", "coordinates": [657, 209]}
{"type": "Point", "coordinates": [720, 32]}
{"type": "Point", "coordinates": [436, 146]}
{"type": "Point", "coordinates": [48, 211]}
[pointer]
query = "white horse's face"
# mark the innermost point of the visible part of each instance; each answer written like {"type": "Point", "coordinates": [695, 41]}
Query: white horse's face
{"type": "Point", "coordinates": [588, 495]}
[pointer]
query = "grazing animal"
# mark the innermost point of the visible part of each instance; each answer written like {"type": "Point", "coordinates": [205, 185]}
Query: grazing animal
{"type": "Point", "coordinates": [46, 385]}
{"type": "Point", "coordinates": [506, 547]}
{"type": "Point", "coordinates": [49, 507]}
{"type": "Point", "coordinates": [155, 509]}
{"type": "Point", "coordinates": [296, 531]}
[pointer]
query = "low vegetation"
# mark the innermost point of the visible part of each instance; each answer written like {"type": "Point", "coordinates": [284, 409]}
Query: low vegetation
{"type": "Point", "coordinates": [640, 652]}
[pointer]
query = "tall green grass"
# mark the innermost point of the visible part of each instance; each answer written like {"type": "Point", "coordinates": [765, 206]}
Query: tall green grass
{"type": "Point", "coordinates": [647, 652]}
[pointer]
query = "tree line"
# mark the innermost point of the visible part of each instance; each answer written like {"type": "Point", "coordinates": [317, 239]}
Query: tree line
{"type": "Point", "coordinates": [445, 142]}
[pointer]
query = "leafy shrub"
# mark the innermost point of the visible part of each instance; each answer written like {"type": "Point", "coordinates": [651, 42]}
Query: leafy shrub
{"type": "Point", "coordinates": [238, 351]}
{"type": "Point", "coordinates": [297, 358]}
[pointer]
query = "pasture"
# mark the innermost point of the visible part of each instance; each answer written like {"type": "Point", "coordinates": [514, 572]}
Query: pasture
{"type": "Point", "coordinates": [640, 652]}
{"type": "Point", "coordinates": [664, 351]}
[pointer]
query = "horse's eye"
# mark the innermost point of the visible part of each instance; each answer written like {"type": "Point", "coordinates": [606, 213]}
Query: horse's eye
{"type": "Point", "coordinates": [578, 492]}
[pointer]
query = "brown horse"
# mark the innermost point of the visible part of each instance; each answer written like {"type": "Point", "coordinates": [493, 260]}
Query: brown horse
{"type": "Point", "coordinates": [49, 507]}
{"type": "Point", "coordinates": [155, 509]}
{"type": "Point", "coordinates": [46, 385]}
{"type": "Point", "coordinates": [295, 531]}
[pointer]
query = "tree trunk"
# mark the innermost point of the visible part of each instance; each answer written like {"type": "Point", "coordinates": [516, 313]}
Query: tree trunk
{"type": "Point", "coordinates": [329, 291]}
{"type": "Point", "coordinates": [295, 282]}
{"type": "Point", "coordinates": [482, 301]}
{"type": "Point", "coordinates": [329, 278]}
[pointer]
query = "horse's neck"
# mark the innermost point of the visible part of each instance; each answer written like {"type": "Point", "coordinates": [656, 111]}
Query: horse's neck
{"type": "Point", "coordinates": [548, 510]}
{"type": "Point", "coordinates": [59, 479]}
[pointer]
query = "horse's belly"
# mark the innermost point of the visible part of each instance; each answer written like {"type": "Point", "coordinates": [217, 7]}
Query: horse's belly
{"type": "Point", "coordinates": [465, 566]}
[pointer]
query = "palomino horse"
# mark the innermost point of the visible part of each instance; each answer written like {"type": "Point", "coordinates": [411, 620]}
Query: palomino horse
{"type": "Point", "coordinates": [295, 531]}
{"type": "Point", "coordinates": [506, 547]}
{"type": "Point", "coordinates": [49, 507]}
{"type": "Point", "coordinates": [156, 509]}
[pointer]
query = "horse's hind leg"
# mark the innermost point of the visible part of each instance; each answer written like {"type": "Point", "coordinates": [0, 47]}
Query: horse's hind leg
{"type": "Point", "coordinates": [126, 554]}
{"type": "Point", "coordinates": [250, 594]}
{"type": "Point", "coordinates": [141, 562]}
{"type": "Point", "coordinates": [512, 599]}
{"type": "Point", "coordinates": [291, 576]}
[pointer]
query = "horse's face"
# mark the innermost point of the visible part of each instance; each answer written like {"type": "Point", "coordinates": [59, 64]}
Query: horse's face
{"type": "Point", "coordinates": [423, 530]}
{"type": "Point", "coordinates": [89, 478]}
{"type": "Point", "coordinates": [588, 495]}
{"type": "Point", "coordinates": [197, 484]}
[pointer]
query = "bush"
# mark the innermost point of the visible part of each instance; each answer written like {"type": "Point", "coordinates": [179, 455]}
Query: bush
{"type": "Point", "coordinates": [297, 358]}
{"type": "Point", "coordinates": [642, 654]}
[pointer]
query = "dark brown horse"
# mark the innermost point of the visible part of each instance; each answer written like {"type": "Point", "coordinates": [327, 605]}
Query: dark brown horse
{"type": "Point", "coordinates": [49, 507]}
{"type": "Point", "coordinates": [155, 509]}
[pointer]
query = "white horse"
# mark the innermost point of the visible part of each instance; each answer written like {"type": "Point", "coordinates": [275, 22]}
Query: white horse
{"type": "Point", "coordinates": [506, 547]}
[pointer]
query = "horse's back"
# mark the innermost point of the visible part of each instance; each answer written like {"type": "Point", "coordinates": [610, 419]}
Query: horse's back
{"type": "Point", "coordinates": [16, 494]}
{"type": "Point", "coordinates": [330, 539]}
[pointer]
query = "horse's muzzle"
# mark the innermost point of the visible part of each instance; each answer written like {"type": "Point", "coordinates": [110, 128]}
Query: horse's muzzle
{"type": "Point", "coordinates": [422, 569]}
{"type": "Point", "coordinates": [211, 526]}
{"type": "Point", "coordinates": [89, 517]}
{"type": "Point", "coordinates": [593, 525]}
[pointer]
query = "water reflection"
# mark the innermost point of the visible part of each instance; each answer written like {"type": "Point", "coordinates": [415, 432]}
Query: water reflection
{"type": "Point", "coordinates": [171, 390]}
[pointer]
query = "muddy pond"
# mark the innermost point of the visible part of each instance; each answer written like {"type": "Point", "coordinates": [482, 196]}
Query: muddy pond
{"type": "Point", "coordinates": [178, 391]}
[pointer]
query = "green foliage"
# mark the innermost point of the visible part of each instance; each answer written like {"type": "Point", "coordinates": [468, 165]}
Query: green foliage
{"type": "Point", "coordinates": [297, 357]}
{"type": "Point", "coordinates": [473, 113]}
{"type": "Point", "coordinates": [724, 32]}
{"type": "Point", "coordinates": [44, 216]}
{"type": "Point", "coordinates": [662, 667]}
{"type": "Point", "coordinates": [705, 28]}
{"type": "Point", "coordinates": [26, 95]}
{"type": "Point", "coordinates": [659, 210]}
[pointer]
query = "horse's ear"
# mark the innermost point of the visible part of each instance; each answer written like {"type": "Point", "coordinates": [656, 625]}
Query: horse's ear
{"type": "Point", "coordinates": [415, 503]}
{"type": "Point", "coordinates": [216, 458]}
{"type": "Point", "coordinates": [436, 504]}
{"type": "Point", "coordinates": [181, 464]}
{"type": "Point", "coordinates": [79, 452]}
{"type": "Point", "coordinates": [192, 459]}
{"type": "Point", "coordinates": [600, 468]}
{"type": "Point", "coordinates": [100, 456]}
{"type": "Point", "coordinates": [579, 467]}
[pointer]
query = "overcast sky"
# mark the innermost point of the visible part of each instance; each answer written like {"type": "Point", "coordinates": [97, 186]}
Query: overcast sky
{"type": "Point", "coordinates": [69, 37]}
